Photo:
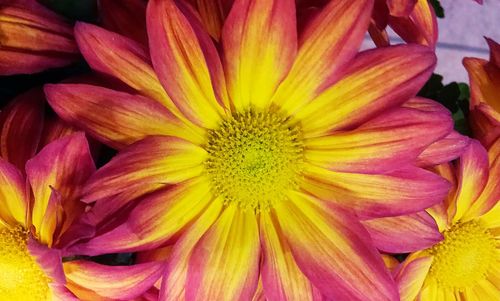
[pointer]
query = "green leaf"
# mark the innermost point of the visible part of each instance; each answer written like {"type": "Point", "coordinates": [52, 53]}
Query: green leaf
{"type": "Point", "coordinates": [438, 9]}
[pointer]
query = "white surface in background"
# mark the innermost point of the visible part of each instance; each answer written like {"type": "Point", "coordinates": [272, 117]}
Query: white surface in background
{"type": "Point", "coordinates": [461, 34]}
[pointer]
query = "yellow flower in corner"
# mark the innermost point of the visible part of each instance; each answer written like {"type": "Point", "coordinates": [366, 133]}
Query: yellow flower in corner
{"type": "Point", "coordinates": [465, 265]}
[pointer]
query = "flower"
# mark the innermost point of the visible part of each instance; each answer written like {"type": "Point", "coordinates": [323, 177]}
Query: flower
{"type": "Point", "coordinates": [34, 229]}
{"type": "Point", "coordinates": [254, 163]}
{"type": "Point", "coordinates": [33, 38]}
{"type": "Point", "coordinates": [484, 77]}
{"type": "Point", "coordinates": [465, 264]}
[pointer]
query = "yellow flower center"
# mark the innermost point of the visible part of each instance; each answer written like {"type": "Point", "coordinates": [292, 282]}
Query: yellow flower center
{"type": "Point", "coordinates": [21, 278]}
{"type": "Point", "coordinates": [254, 158]}
{"type": "Point", "coordinates": [464, 257]}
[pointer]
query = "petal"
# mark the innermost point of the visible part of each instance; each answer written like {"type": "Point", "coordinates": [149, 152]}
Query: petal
{"type": "Point", "coordinates": [329, 42]}
{"type": "Point", "coordinates": [21, 124]}
{"type": "Point", "coordinates": [128, 18]}
{"type": "Point", "coordinates": [145, 166]}
{"type": "Point", "coordinates": [281, 277]}
{"type": "Point", "coordinates": [116, 282]}
{"type": "Point", "coordinates": [444, 150]}
{"type": "Point", "coordinates": [180, 62]}
{"type": "Point", "coordinates": [377, 80]}
{"type": "Point", "coordinates": [213, 14]}
{"type": "Point", "coordinates": [405, 190]}
{"type": "Point", "coordinates": [64, 165]}
{"type": "Point", "coordinates": [115, 118]}
{"type": "Point", "coordinates": [13, 195]}
{"type": "Point", "coordinates": [145, 227]}
{"type": "Point", "coordinates": [225, 262]}
{"type": "Point", "coordinates": [494, 51]}
{"type": "Point", "coordinates": [485, 123]}
{"type": "Point", "coordinates": [333, 250]}
{"type": "Point", "coordinates": [260, 43]}
{"type": "Point", "coordinates": [33, 39]}
{"type": "Point", "coordinates": [484, 82]}
{"type": "Point", "coordinates": [473, 172]}
{"type": "Point", "coordinates": [401, 7]}
{"type": "Point", "coordinates": [491, 193]}
{"type": "Point", "coordinates": [120, 57]}
{"type": "Point", "coordinates": [175, 277]}
{"type": "Point", "coordinates": [411, 276]}
{"type": "Point", "coordinates": [419, 27]}
{"type": "Point", "coordinates": [404, 233]}
{"type": "Point", "coordinates": [50, 260]}
{"type": "Point", "coordinates": [383, 143]}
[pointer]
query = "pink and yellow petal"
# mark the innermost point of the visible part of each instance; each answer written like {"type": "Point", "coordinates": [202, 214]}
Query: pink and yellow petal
{"type": "Point", "coordinates": [21, 124]}
{"type": "Point", "coordinates": [473, 171]}
{"type": "Point", "coordinates": [405, 233]}
{"type": "Point", "coordinates": [213, 14]}
{"type": "Point", "coordinates": [63, 165]}
{"type": "Point", "coordinates": [419, 27]}
{"type": "Point", "coordinates": [176, 274]}
{"type": "Point", "coordinates": [401, 191]}
{"type": "Point", "coordinates": [326, 46]}
{"type": "Point", "coordinates": [14, 197]}
{"type": "Point", "coordinates": [181, 64]}
{"type": "Point", "coordinates": [127, 18]}
{"type": "Point", "coordinates": [376, 80]}
{"type": "Point", "coordinates": [87, 279]}
{"type": "Point", "coordinates": [333, 250]}
{"type": "Point", "coordinates": [281, 277]}
{"type": "Point", "coordinates": [260, 42]}
{"type": "Point", "coordinates": [224, 264]}
{"type": "Point", "coordinates": [145, 166]}
{"type": "Point", "coordinates": [123, 58]}
{"type": "Point", "coordinates": [383, 143]}
{"type": "Point", "coordinates": [145, 226]}
{"type": "Point", "coordinates": [444, 150]}
{"type": "Point", "coordinates": [115, 118]}
{"type": "Point", "coordinates": [411, 276]}
{"type": "Point", "coordinates": [33, 38]}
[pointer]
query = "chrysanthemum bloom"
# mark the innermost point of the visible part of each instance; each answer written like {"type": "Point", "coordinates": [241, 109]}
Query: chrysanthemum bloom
{"type": "Point", "coordinates": [35, 228]}
{"type": "Point", "coordinates": [33, 38]}
{"type": "Point", "coordinates": [255, 162]}
{"type": "Point", "coordinates": [465, 265]}
{"type": "Point", "coordinates": [484, 79]}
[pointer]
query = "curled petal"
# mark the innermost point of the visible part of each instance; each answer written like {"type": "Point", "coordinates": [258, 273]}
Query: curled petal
{"type": "Point", "coordinates": [444, 150]}
{"type": "Point", "coordinates": [400, 8]}
{"type": "Point", "coordinates": [63, 165]}
{"type": "Point", "coordinates": [411, 275]}
{"type": "Point", "coordinates": [405, 233]}
{"type": "Point", "coordinates": [127, 18]}
{"type": "Point", "coordinates": [89, 280]}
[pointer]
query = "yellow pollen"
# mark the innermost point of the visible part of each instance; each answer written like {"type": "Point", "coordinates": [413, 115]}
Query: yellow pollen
{"type": "Point", "coordinates": [464, 257]}
{"type": "Point", "coordinates": [254, 158]}
{"type": "Point", "coordinates": [21, 278]}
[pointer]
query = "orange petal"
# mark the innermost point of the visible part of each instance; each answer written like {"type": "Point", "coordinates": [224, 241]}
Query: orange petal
{"type": "Point", "coordinates": [225, 262]}
{"type": "Point", "coordinates": [327, 45]}
{"type": "Point", "coordinates": [377, 80]}
{"type": "Point", "coordinates": [260, 42]}
{"type": "Point", "coordinates": [185, 60]}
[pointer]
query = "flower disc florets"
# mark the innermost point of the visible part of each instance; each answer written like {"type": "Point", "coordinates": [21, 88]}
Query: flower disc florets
{"type": "Point", "coordinates": [464, 257]}
{"type": "Point", "coordinates": [21, 278]}
{"type": "Point", "coordinates": [254, 158]}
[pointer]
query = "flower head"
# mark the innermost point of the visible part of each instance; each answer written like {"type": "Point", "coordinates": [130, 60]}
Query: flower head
{"type": "Point", "coordinates": [465, 262]}
{"type": "Point", "coordinates": [254, 159]}
{"type": "Point", "coordinates": [484, 79]}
